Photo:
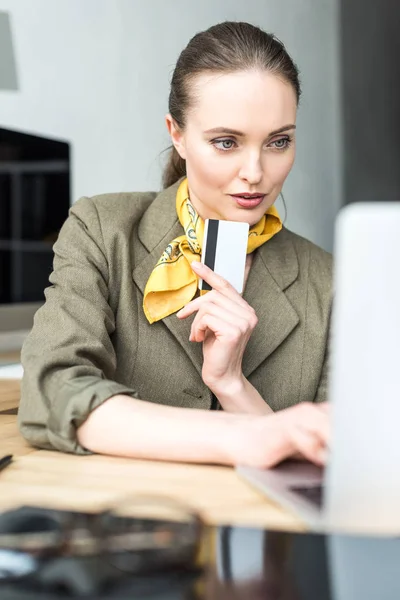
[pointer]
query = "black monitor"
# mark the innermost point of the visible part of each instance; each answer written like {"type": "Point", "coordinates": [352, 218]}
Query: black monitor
{"type": "Point", "coordinates": [35, 198]}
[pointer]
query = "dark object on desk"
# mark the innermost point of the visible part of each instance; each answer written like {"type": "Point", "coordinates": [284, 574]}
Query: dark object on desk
{"type": "Point", "coordinates": [83, 554]}
{"type": "Point", "coordinates": [5, 461]}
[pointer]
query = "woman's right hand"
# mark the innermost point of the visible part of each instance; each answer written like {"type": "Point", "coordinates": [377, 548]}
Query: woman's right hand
{"type": "Point", "coordinates": [301, 431]}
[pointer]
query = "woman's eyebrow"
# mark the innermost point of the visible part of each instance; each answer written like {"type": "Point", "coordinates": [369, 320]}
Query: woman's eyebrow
{"type": "Point", "coordinates": [231, 131]}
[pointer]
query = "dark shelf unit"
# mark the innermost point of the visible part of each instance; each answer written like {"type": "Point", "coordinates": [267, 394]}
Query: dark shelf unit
{"type": "Point", "coordinates": [34, 203]}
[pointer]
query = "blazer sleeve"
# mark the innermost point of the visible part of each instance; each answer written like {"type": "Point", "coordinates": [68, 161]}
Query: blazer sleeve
{"type": "Point", "coordinates": [68, 358]}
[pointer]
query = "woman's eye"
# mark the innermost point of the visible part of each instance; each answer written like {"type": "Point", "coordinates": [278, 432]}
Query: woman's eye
{"type": "Point", "coordinates": [281, 143]}
{"type": "Point", "coordinates": [224, 144]}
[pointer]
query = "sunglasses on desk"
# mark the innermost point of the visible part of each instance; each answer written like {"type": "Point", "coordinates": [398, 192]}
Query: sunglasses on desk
{"type": "Point", "coordinates": [85, 552]}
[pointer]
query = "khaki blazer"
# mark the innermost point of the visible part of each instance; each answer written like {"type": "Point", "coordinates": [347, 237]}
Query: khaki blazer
{"type": "Point", "coordinates": [91, 340]}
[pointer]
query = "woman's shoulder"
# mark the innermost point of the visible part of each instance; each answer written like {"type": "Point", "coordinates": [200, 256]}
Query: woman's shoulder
{"type": "Point", "coordinates": [305, 249]}
{"type": "Point", "coordinates": [315, 259]}
{"type": "Point", "coordinates": [112, 210]}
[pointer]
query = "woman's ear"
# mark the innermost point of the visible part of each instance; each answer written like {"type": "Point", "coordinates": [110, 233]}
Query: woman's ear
{"type": "Point", "coordinates": [177, 136]}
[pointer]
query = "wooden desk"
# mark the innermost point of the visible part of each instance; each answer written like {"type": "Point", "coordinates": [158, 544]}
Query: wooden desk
{"type": "Point", "coordinates": [9, 388]}
{"type": "Point", "coordinates": [53, 479]}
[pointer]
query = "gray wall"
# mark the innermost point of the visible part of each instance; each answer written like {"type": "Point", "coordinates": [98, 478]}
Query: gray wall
{"type": "Point", "coordinates": [97, 73]}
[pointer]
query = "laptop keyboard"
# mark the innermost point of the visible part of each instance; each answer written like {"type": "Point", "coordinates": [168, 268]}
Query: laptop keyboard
{"type": "Point", "coordinates": [313, 494]}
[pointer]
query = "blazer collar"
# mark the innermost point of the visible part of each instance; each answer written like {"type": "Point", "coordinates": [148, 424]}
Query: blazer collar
{"type": "Point", "coordinates": [275, 267]}
{"type": "Point", "coordinates": [160, 221]}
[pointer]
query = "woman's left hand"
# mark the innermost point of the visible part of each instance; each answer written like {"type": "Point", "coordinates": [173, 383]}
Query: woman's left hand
{"type": "Point", "coordinates": [224, 323]}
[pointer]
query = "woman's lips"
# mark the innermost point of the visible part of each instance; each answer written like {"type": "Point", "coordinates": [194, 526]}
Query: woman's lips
{"type": "Point", "coordinates": [248, 202]}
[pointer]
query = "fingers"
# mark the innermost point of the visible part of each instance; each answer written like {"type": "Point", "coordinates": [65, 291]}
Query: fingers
{"type": "Point", "coordinates": [224, 296]}
{"type": "Point", "coordinates": [295, 442]}
{"type": "Point", "coordinates": [310, 417]}
{"type": "Point", "coordinates": [310, 445]}
{"type": "Point", "coordinates": [236, 321]}
{"type": "Point", "coordinates": [239, 307]}
{"type": "Point", "coordinates": [235, 325]}
{"type": "Point", "coordinates": [212, 323]}
{"type": "Point", "coordinates": [222, 323]}
{"type": "Point", "coordinates": [307, 427]}
{"type": "Point", "coordinates": [310, 433]}
{"type": "Point", "coordinates": [242, 317]}
{"type": "Point", "coordinates": [216, 281]}
{"type": "Point", "coordinates": [300, 431]}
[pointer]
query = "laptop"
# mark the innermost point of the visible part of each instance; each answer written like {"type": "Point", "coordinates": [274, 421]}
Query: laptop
{"type": "Point", "coordinates": [360, 487]}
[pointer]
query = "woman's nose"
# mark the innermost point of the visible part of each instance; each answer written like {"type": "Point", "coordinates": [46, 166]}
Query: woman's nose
{"type": "Point", "coordinates": [251, 169]}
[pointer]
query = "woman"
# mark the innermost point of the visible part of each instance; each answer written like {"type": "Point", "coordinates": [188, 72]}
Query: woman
{"type": "Point", "coordinates": [124, 345]}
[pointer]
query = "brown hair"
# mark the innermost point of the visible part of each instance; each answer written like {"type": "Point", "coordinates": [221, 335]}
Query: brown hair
{"type": "Point", "coordinates": [224, 48]}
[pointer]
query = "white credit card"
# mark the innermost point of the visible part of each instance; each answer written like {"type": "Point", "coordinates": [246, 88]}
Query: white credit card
{"type": "Point", "coordinates": [224, 251]}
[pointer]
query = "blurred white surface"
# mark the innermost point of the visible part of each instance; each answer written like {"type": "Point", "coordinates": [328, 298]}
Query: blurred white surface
{"type": "Point", "coordinates": [14, 371]}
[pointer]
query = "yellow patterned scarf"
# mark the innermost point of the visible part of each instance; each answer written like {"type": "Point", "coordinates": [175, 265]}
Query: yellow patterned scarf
{"type": "Point", "coordinates": [173, 283]}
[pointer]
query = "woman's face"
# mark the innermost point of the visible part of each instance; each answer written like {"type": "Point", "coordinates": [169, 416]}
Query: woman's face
{"type": "Point", "coordinates": [238, 141]}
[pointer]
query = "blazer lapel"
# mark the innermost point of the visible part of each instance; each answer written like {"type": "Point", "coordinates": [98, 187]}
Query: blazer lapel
{"type": "Point", "coordinates": [160, 225]}
{"type": "Point", "coordinates": [274, 268]}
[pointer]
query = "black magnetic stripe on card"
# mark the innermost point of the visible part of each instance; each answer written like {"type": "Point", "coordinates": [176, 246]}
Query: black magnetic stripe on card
{"type": "Point", "coordinates": [211, 248]}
